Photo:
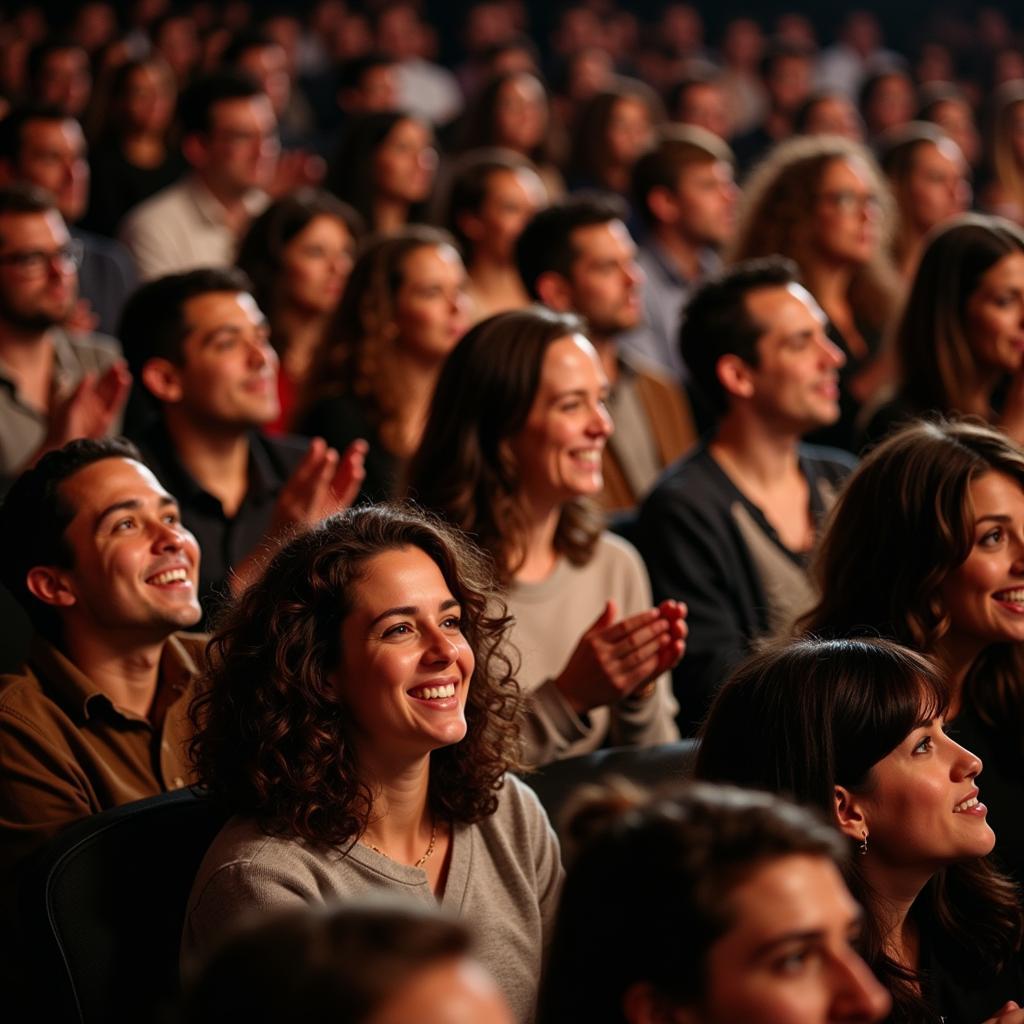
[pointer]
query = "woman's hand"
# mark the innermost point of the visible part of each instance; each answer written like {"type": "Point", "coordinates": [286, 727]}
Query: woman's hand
{"type": "Point", "coordinates": [615, 659]}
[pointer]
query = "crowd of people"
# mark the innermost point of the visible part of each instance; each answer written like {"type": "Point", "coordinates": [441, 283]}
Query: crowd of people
{"type": "Point", "coordinates": [386, 416]}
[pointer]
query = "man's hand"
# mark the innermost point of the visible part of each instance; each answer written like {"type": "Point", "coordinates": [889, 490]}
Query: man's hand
{"type": "Point", "coordinates": [91, 408]}
{"type": "Point", "coordinates": [322, 484]}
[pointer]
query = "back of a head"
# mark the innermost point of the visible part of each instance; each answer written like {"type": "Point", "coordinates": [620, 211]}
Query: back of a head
{"type": "Point", "coordinates": [647, 894]}
{"type": "Point", "coordinates": [916, 482]}
{"type": "Point", "coordinates": [319, 964]}
{"type": "Point", "coordinates": [802, 716]}
{"type": "Point", "coordinates": [546, 242]}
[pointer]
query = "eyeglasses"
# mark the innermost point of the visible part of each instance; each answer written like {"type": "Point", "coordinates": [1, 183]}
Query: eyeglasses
{"type": "Point", "coordinates": [852, 202]}
{"type": "Point", "coordinates": [36, 262]}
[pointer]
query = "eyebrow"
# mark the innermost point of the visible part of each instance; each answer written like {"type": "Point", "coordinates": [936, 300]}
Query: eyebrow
{"type": "Point", "coordinates": [262, 324]}
{"type": "Point", "coordinates": [411, 609]}
{"type": "Point", "coordinates": [131, 505]}
{"type": "Point", "coordinates": [995, 518]}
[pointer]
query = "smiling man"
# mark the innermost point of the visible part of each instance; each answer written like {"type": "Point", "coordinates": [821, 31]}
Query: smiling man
{"type": "Point", "coordinates": [200, 346]}
{"type": "Point", "coordinates": [108, 575]}
{"type": "Point", "coordinates": [730, 528]}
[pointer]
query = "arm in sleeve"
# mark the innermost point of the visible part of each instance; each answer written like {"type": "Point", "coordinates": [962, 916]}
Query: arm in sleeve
{"type": "Point", "coordinates": [550, 726]}
{"type": "Point", "coordinates": [691, 558]}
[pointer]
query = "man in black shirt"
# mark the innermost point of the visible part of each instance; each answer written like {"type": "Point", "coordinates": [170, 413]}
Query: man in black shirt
{"type": "Point", "coordinates": [729, 528]}
{"type": "Point", "coordinates": [200, 348]}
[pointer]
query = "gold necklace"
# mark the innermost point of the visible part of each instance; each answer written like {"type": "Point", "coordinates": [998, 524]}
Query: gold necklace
{"type": "Point", "coordinates": [430, 849]}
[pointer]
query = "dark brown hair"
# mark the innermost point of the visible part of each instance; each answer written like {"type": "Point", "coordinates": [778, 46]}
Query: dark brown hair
{"type": "Point", "coordinates": [463, 469]}
{"type": "Point", "coordinates": [937, 364]}
{"type": "Point", "coordinates": [661, 870]}
{"type": "Point", "coordinates": [917, 484]}
{"type": "Point", "coordinates": [804, 716]}
{"type": "Point", "coordinates": [272, 738]}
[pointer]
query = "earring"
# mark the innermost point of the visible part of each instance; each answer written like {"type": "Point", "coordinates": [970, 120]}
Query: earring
{"type": "Point", "coordinates": [862, 846]}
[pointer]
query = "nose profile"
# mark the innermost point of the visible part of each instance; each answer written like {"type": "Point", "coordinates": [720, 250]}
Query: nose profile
{"type": "Point", "coordinates": [858, 998]}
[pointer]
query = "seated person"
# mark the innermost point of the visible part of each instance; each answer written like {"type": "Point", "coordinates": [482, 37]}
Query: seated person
{"type": "Point", "coordinates": [577, 257]}
{"type": "Point", "coordinates": [730, 896]}
{"type": "Point", "coordinates": [200, 347]}
{"type": "Point", "coordinates": [57, 385]}
{"type": "Point", "coordinates": [370, 963]}
{"type": "Point", "coordinates": [512, 455]}
{"type": "Point", "coordinates": [856, 729]}
{"type": "Point", "coordinates": [729, 529]}
{"type": "Point", "coordinates": [43, 146]}
{"type": "Point", "coordinates": [98, 557]}
{"type": "Point", "coordinates": [343, 790]}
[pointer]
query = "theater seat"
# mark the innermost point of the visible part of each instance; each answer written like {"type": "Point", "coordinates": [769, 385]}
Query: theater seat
{"type": "Point", "coordinates": [556, 783]}
{"type": "Point", "coordinates": [102, 909]}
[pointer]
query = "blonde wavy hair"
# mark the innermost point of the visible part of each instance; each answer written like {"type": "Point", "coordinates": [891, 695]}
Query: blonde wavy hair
{"type": "Point", "coordinates": [777, 217]}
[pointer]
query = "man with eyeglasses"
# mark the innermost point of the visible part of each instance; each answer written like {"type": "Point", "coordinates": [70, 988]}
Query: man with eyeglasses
{"type": "Point", "coordinates": [230, 141]}
{"type": "Point", "coordinates": [55, 385]}
{"type": "Point", "coordinates": [41, 145]}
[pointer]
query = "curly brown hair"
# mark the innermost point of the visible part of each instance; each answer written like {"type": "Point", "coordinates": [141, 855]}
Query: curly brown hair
{"type": "Point", "coordinates": [354, 359]}
{"type": "Point", "coordinates": [776, 218]}
{"type": "Point", "coordinates": [272, 739]}
{"type": "Point", "coordinates": [464, 469]}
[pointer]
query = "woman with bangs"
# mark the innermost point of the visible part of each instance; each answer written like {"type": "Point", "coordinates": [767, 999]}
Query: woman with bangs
{"type": "Point", "coordinates": [822, 202]}
{"type": "Point", "coordinates": [359, 724]}
{"type": "Point", "coordinates": [856, 728]}
{"type": "Point", "coordinates": [926, 547]}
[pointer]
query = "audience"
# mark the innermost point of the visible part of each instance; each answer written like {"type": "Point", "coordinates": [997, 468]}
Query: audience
{"type": "Point", "coordinates": [298, 254]}
{"type": "Point", "coordinates": [229, 138]}
{"type": "Point", "coordinates": [493, 194]}
{"type": "Point", "coordinates": [341, 790]}
{"type": "Point", "coordinates": [369, 963]}
{"type": "Point", "coordinates": [887, 101]}
{"type": "Point", "coordinates": [949, 591]}
{"type": "Point", "coordinates": [59, 75]}
{"type": "Point", "coordinates": [822, 202]}
{"type": "Point", "coordinates": [729, 529]}
{"type": "Point", "coordinates": [1003, 191]}
{"type": "Point", "coordinates": [107, 574]}
{"type": "Point", "coordinates": [684, 192]}
{"type": "Point", "coordinates": [200, 348]}
{"type": "Point", "coordinates": [770, 927]}
{"type": "Point", "coordinates": [958, 343]}
{"type": "Point", "coordinates": [42, 146]}
{"type": "Point", "coordinates": [829, 113]}
{"type": "Point", "coordinates": [577, 256]}
{"type": "Point", "coordinates": [928, 176]}
{"type": "Point", "coordinates": [59, 384]}
{"type": "Point", "coordinates": [855, 728]}
{"type": "Point", "coordinates": [402, 313]}
{"type": "Point", "coordinates": [512, 455]}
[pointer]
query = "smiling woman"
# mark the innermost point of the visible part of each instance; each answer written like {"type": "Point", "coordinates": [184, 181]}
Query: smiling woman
{"type": "Point", "coordinates": [512, 454]}
{"type": "Point", "coordinates": [856, 729]}
{"type": "Point", "coordinates": [359, 724]}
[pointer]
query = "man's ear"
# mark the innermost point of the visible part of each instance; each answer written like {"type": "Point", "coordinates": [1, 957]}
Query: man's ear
{"type": "Point", "coordinates": [50, 585]}
{"type": "Point", "coordinates": [555, 291]}
{"type": "Point", "coordinates": [663, 205]}
{"type": "Point", "coordinates": [195, 150]}
{"type": "Point", "coordinates": [642, 1005]}
{"type": "Point", "coordinates": [849, 814]}
{"type": "Point", "coordinates": [735, 376]}
{"type": "Point", "coordinates": [162, 380]}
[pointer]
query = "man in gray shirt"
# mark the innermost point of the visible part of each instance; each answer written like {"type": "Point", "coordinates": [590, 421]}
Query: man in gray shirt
{"type": "Point", "coordinates": [686, 196]}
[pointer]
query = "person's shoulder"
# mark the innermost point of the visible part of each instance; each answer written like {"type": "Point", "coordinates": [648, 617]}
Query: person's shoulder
{"type": "Point", "coordinates": [685, 479]}
{"type": "Point", "coordinates": [99, 349]}
{"type": "Point", "coordinates": [832, 462]}
{"type": "Point", "coordinates": [287, 450]}
{"type": "Point", "coordinates": [616, 552]}
{"type": "Point", "coordinates": [25, 704]}
{"type": "Point", "coordinates": [160, 204]}
{"type": "Point", "coordinates": [520, 806]}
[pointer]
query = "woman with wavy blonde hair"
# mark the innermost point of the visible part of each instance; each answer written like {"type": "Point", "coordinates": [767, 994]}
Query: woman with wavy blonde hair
{"type": "Point", "coordinates": [822, 201]}
{"type": "Point", "coordinates": [403, 310]}
{"type": "Point", "coordinates": [359, 723]}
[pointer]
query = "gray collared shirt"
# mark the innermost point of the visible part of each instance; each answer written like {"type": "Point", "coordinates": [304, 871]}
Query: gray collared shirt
{"type": "Point", "coordinates": [23, 427]}
{"type": "Point", "coordinates": [666, 292]}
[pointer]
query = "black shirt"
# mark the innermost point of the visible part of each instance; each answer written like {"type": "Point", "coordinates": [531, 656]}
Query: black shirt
{"type": "Point", "coordinates": [224, 541]}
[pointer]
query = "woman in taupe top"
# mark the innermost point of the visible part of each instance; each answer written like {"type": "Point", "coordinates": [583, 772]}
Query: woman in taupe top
{"type": "Point", "coordinates": [359, 722]}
